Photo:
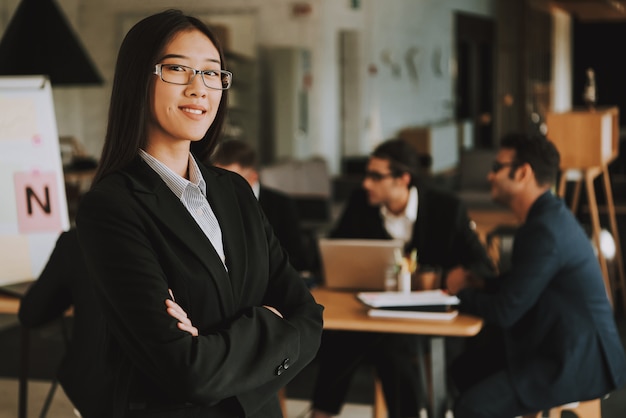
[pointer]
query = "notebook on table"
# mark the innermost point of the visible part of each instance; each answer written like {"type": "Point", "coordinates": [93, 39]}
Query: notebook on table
{"type": "Point", "coordinates": [425, 304]}
{"type": "Point", "coordinates": [356, 264]}
{"type": "Point", "coordinates": [422, 300]}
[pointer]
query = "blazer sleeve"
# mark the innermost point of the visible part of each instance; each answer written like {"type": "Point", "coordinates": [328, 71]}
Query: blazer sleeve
{"type": "Point", "coordinates": [237, 353]}
{"type": "Point", "coordinates": [288, 293]}
{"type": "Point", "coordinates": [536, 260]}
{"type": "Point", "coordinates": [50, 296]}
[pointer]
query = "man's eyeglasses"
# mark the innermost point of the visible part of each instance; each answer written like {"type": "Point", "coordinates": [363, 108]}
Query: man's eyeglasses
{"type": "Point", "coordinates": [183, 75]}
{"type": "Point", "coordinates": [497, 166]}
{"type": "Point", "coordinates": [376, 176]}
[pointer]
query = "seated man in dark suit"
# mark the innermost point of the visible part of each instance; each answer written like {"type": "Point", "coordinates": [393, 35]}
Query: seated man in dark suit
{"type": "Point", "coordinates": [64, 283]}
{"type": "Point", "coordinates": [395, 203]}
{"type": "Point", "coordinates": [558, 341]}
{"type": "Point", "coordinates": [280, 209]}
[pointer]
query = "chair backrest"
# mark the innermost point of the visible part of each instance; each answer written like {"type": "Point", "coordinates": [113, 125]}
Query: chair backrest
{"type": "Point", "coordinates": [298, 177]}
{"type": "Point", "coordinates": [308, 182]}
{"type": "Point", "coordinates": [473, 168]}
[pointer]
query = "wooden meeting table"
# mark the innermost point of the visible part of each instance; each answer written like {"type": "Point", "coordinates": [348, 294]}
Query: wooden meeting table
{"type": "Point", "coordinates": [344, 312]}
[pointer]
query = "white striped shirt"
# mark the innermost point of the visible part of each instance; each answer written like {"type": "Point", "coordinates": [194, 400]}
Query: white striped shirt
{"type": "Point", "coordinates": [192, 194]}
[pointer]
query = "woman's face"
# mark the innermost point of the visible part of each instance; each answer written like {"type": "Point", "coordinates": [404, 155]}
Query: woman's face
{"type": "Point", "coordinates": [184, 113]}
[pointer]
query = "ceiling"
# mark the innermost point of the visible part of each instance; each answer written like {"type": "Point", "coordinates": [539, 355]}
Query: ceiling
{"type": "Point", "coordinates": [594, 10]}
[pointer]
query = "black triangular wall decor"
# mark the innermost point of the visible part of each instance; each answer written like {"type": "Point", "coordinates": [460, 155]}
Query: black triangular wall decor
{"type": "Point", "coordinates": [40, 40]}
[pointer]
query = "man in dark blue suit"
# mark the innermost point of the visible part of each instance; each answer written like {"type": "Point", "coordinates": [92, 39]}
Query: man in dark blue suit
{"type": "Point", "coordinates": [559, 343]}
{"type": "Point", "coordinates": [63, 284]}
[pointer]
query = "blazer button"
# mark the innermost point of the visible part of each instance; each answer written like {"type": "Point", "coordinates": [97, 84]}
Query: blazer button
{"type": "Point", "coordinates": [286, 363]}
{"type": "Point", "coordinates": [279, 370]}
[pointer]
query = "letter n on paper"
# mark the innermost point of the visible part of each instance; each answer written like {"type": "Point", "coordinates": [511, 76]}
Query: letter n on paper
{"type": "Point", "coordinates": [38, 206]}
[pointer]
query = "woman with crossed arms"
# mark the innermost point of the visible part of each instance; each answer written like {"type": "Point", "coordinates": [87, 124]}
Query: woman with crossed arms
{"type": "Point", "coordinates": [204, 315]}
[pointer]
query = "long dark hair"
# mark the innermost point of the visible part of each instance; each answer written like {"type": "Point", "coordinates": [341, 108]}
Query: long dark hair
{"type": "Point", "coordinates": [129, 110]}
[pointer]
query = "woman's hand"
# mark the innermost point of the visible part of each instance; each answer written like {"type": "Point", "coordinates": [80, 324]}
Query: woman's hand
{"type": "Point", "coordinates": [459, 278]}
{"type": "Point", "coordinates": [184, 323]}
{"type": "Point", "coordinates": [456, 280]}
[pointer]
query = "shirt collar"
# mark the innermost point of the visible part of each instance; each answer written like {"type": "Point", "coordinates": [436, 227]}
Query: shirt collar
{"type": "Point", "coordinates": [175, 182]}
{"type": "Point", "coordinates": [410, 211]}
{"type": "Point", "coordinates": [256, 189]}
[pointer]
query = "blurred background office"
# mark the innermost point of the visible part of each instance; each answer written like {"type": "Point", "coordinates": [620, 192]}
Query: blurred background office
{"type": "Point", "coordinates": [319, 83]}
{"type": "Point", "coordinates": [332, 79]}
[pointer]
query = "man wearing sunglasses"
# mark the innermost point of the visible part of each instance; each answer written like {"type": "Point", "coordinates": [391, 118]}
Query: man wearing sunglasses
{"type": "Point", "coordinates": [394, 203]}
{"type": "Point", "coordinates": [558, 342]}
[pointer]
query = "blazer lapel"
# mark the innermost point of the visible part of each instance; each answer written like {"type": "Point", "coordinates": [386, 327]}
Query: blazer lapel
{"type": "Point", "coordinates": [224, 202]}
{"type": "Point", "coordinates": [159, 200]}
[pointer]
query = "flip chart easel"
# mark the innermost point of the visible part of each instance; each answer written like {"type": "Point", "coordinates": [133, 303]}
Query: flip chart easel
{"type": "Point", "coordinates": [33, 211]}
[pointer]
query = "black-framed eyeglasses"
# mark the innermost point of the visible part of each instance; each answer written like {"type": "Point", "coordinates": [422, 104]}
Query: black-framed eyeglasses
{"type": "Point", "coordinates": [376, 176]}
{"type": "Point", "coordinates": [497, 166]}
{"type": "Point", "coordinates": [183, 75]}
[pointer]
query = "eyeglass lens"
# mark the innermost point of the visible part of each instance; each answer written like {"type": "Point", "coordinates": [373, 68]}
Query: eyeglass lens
{"type": "Point", "coordinates": [376, 176]}
{"type": "Point", "coordinates": [497, 166]}
{"type": "Point", "coordinates": [181, 74]}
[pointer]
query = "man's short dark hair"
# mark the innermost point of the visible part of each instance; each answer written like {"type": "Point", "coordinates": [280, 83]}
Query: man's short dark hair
{"type": "Point", "coordinates": [536, 150]}
{"type": "Point", "coordinates": [234, 151]}
{"type": "Point", "coordinates": [402, 157]}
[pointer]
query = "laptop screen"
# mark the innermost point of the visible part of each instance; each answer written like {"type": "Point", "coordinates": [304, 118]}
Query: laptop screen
{"type": "Point", "coordinates": [357, 264]}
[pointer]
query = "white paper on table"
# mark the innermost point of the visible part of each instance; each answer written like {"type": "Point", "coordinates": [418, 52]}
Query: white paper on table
{"type": "Point", "coordinates": [399, 299]}
{"type": "Point", "coordinates": [439, 316]}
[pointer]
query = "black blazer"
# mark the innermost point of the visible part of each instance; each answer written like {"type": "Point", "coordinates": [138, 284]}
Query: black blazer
{"type": "Point", "coordinates": [561, 341]}
{"type": "Point", "coordinates": [442, 233]}
{"type": "Point", "coordinates": [282, 214]}
{"type": "Point", "coordinates": [139, 240]}
{"type": "Point", "coordinates": [64, 282]}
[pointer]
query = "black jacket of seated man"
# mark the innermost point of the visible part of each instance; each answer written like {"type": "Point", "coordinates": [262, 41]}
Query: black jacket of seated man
{"type": "Point", "coordinates": [282, 214]}
{"type": "Point", "coordinates": [443, 237]}
{"type": "Point", "coordinates": [442, 233]}
{"type": "Point", "coordinates": [64, 282]}
{"type": "Point", "coordinates": [279, 208]}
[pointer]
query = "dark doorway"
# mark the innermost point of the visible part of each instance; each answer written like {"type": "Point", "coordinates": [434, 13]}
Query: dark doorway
{"type": "Point", "coordinates": [591, 50]}
{"type": "Point", "coordinates": [475, 75]}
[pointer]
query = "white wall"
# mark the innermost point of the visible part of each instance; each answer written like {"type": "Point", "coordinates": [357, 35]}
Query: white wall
{"type": "Point", "coordinates": [562, 61]}
{"type": "Point", "coordinates": [390, 101]}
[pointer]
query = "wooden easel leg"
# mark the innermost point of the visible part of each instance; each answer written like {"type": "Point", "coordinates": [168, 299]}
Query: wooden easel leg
{"type": "Point", "coordinates": [595, 223]}
{"type": "Point", "coordinates": [380, 407]}
{"type": "Point", "coordinates": [615, 231]}
{"type": "Point", "coordinates": [562, 189]}
{"type": "Point", "coordinates": [576, 197]}
{"type": "Point", "coordinates": [562, 184]}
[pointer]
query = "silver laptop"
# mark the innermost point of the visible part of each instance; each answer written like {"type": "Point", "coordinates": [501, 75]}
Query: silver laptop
{"type": "Point", "coordinates": [356, 264]}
